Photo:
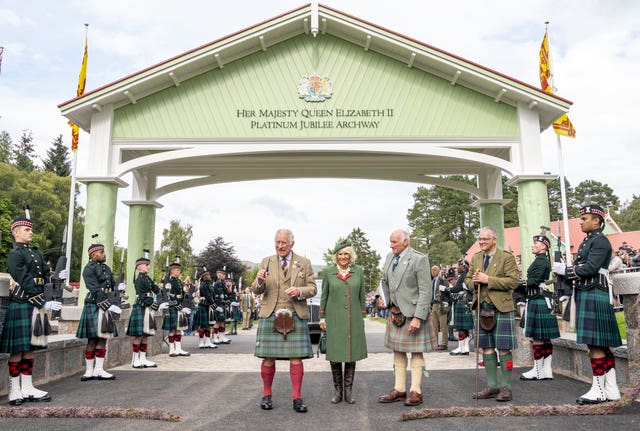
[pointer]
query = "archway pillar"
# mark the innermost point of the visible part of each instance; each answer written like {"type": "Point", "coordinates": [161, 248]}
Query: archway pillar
{"type": "Point", "coordinates": [142, 224]}
{"type": "Point", "coordinates": [533, 211]}
{"type": "Point", "coordinates": [492, 214]}
{"type": "Point", "coordinates": [102, 195]}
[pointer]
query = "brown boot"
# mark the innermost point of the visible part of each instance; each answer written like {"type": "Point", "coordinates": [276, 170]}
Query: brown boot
{"type": "Point", "coordinates": [336, 372]}
{"type": "Point", "coordinates": [349, 373]}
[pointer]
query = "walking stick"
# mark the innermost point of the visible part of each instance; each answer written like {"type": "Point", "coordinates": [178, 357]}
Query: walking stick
{"type": "Point", "coordinates": [477, 338]}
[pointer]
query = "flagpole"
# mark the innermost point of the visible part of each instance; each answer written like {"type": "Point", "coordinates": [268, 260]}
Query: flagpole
{"type": "Point", "coordinates": [74, 167]}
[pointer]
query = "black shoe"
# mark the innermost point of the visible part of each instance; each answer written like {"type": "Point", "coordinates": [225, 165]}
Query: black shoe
{"type": "Point", "coordinates": [85, 378]}
{"type": "Point", "coordinates": [266, 403]}
{"type": "Point", "coordinates": [298, 405]}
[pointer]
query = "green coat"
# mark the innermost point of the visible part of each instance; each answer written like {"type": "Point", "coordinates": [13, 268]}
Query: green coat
{"type": "Point", "coordinates": [343, 306]}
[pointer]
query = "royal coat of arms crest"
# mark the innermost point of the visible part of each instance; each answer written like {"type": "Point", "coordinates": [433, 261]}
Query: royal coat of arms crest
{"type": "Point", "coordinates": [314, 88]}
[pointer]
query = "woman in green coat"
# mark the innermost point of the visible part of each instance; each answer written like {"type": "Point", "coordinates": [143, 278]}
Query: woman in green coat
{"type": "Point", "coordinates": [342, 309]}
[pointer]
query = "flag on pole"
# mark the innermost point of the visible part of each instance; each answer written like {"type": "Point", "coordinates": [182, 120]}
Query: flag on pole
{"type": "Point", "coordinates": [82, 80]}
{"type": "Point", "coordinates": [1, 52]}
{"type": "Point", "coordinates": [562, 126]}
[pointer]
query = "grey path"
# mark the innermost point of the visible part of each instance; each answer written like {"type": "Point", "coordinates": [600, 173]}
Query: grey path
{"type": "Point", "coordinates": [220, 390]}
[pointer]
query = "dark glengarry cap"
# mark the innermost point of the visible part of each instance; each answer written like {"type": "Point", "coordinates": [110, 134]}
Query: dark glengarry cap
{"type": "Point", "coordinates": [340, 245]}
{"type": "Point", "coordinates": [593, 209]}
{"type": "Point", "coordinates": [543, 239]}
{"type": "Point", "coordinates": [142, 260]}
{"type": "Point", "coordinates": [95, 247]}
{"type": "Point", "coordinates": [21, 221]}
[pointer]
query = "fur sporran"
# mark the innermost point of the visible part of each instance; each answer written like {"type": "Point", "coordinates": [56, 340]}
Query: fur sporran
{"type": "Point", "coordinates": [105, 324]}
{"type": "Point", "coordinates": [183, 321]}
{"type": "Point", "coordinates": [149, 325]}
{"type": "Point", "coordinates": [397, 318]}
{"type": "Point", "coordinates": [40, 327]}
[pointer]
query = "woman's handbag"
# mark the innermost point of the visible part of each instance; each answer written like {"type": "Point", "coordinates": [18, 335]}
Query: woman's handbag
{"type": "Point", "coordinates": [322, 343]}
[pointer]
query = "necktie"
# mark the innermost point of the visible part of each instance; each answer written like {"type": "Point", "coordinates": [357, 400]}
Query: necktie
{"type": "Point", "coordinates": [487, 258]}
{"type": "Point", "coordinates": [396, 259]}
{"type": "Point", "coordinates": [284, 265]}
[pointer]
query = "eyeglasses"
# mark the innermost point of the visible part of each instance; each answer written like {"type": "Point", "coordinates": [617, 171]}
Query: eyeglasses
{"type": "Point", "coordinates": [484, 239]}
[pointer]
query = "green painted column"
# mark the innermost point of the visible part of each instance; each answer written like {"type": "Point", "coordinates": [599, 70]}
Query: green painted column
{"type": "Point", "coordinates": [533, 212]}
{"type": "Point", "coordinates": [142, 223]}
{"type": "Point", "coordinates": [492, 214]}
{"type": "Point", "coordinates": [100, 218]}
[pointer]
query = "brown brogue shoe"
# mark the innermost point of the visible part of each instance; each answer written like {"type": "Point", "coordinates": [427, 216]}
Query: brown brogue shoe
{"type": "Point", "coordinates": [487, 392]}
{"type": "Point", "coordinates": [414, 399]}
{"type": "Point", "coordinates": [504, 395]}
{"type": "Point", "coordinates": [392, 396]}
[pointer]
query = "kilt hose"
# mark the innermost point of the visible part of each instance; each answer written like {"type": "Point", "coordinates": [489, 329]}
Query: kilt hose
{"type": "Point", "coordinates": [201, 319]}
{"type": "Point", "coordinates": [399, 339]}
{"type": "Point", "coordinates": [136, 322]}
{"type": "Point", "coordinates": [462, 316]}
{"type": "Point", "coordinates": [540, 324]}
{"type": "Point", "coordinates": [270, 344]}
{"type": "Point", "coordinates": [16, 335]}
{"type": "Point", "coordinates": [503, 335]}
{"type": "Point", "coordinates": [88, 325]}
{"type": "Point", "coordinates": [596, 323]}
{"type": "Point", "coordinates": [170, 322]}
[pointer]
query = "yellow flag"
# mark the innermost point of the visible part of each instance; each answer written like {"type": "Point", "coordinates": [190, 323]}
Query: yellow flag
{"type": "Point", "coordinates": [82, 80]}
{"type": "Point", "coordinates": [562, 126]}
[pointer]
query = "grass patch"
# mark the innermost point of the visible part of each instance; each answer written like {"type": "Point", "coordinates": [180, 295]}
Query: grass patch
{"type": "Point", "coordinates": [622, 326]}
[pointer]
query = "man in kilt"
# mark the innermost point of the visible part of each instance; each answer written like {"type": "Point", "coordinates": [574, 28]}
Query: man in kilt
{"type": "Point", "coordinates": [462, 314]}
{"type": "Point", "coordinates": [201, 321]}
{"type": "Point", "coordinates": [26, 304]}
{"type": "Point", "coordinates": [142, 320]}
{"type": "Point", "coordinates": [539, 323]}
{"type": "Point", "coordinates": [285, 281]}
{"type": "Point", "coordinates": [596, 324]}
{"type": "Point", "coordinates": [406, 272]}
{"type": "Point", "coordinates": [175, 311]}
{"type": "Point", "coordinates": [440, 306]}
{"type": "Point", "coordinates": [221, 302]}
{"type": "Point", "coordinates": [96, 322]}
{"type": "Point", "coordinates": [494, 275]}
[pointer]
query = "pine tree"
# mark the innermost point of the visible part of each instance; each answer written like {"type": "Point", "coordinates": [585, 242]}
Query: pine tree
{"type": "Point", "coordinates": [220, 254]}
{"type": "Point", "coordinates": [25, 149]}
{"type": "Point", "coordinates": [6, 146]}
{"type": "Point", "coordinates": [57, 160]}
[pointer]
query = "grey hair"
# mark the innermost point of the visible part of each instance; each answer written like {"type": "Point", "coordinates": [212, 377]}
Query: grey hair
{"type": "Point", "coordinates": [489, 229]}
{"type": "Point", "coordinates": [288, 232]}
{"type": "Point", "coordinates": [352, 255]}
{"type": "Point", "coordinates": [403, 234]}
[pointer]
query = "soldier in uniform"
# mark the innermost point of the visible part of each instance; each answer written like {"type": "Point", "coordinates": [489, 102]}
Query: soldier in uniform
{"type": "Point", "coordinates": [234, 306]}
{"type": "Point", "coordinates": [595, 317]}
{"type": "Point", "coordinates": [220, 298]}
{"type": "Point", "coordinates": [540, 324]}
{"type": "Point", "coordinates": [494, 274]}
{"type": "Point", "coordinates": [440, 306]}
{"type": "Point", "coordinates": [285, 281]}
{"type": "Point", "coordinates": [96, 322]}
{"type": "Point", "coordinates": [201, 319]}
{"type": "Point", "coordinates": [26, 304]}
{"type": "Point", "coordinates": [142, 321]}
{"type": "Point", "coordinates": [462, 314]}
{"type": "Point", "coordinates": [175, 310]}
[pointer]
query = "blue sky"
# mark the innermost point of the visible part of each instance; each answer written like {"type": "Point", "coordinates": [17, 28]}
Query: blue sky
{"type": "Point", "coordinates": [595, 48]}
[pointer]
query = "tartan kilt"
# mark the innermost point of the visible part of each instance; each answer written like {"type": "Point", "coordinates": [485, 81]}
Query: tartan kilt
{"type": "Point", "coordinates": [399, 339]}
{"type": "Point", "coordinates": [218, 316]}
{"type": "Point", "coordinates": [88, 325]}
{"type": "Point", "coordinates": [270, 344]}
{"type": "Point", "coordinates": [462, 316]}
{"type": "Point", "coordinates": [596, 323]}
{"type": "Point", "coordinates": [170, 322]}
{"type": "Point", "coordinates": [201, 319]}
{"type": "Point", "coordinates": [503, 335]}
{"type": "Point", "coordinates": [136, 322]}
{"type": "Point", "coordinates": [540, 324]}
{"type": "Point", "coordinates": [16, 335]}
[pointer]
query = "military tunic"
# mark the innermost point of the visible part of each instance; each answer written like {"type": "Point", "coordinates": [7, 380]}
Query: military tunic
{"type": "Point", "coordinates": [220, 299]}
{"type": "Point", "coordinates": [170, 322]}
{"type": "Point", "coordinates": [595, 318]}
{"type": "Point", "coordinates": [540, 324]}
{"type": "Point", "coordinates": [201, 319]}
{"type": "Point", "coordinates": [99, 281]}
{"type": "Point", "coordinates": [29, 270]}
{"type": "Point", "coordinates": [145, 289]}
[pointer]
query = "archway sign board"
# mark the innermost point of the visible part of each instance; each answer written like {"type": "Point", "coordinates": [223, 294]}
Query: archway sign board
{"type": "Point", "coordinates": [329, 95]}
